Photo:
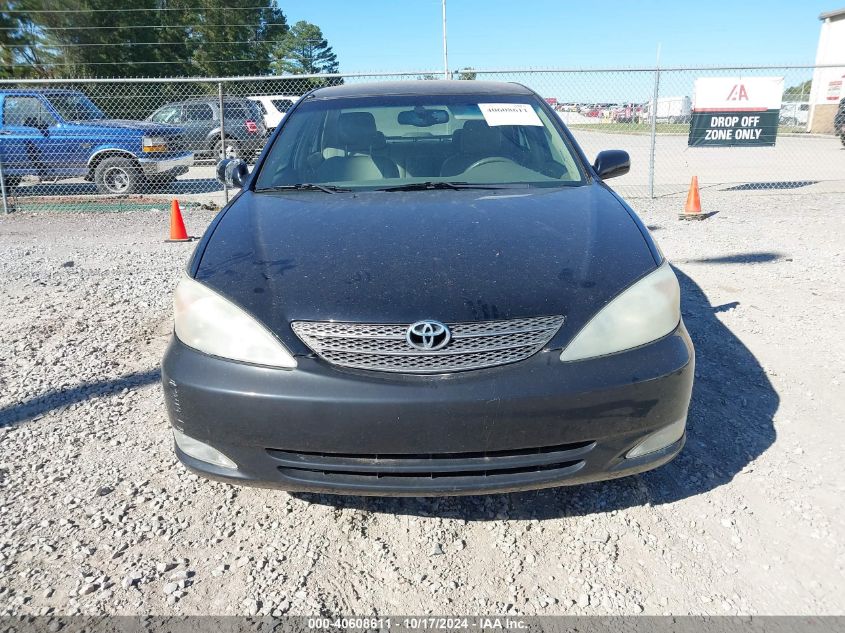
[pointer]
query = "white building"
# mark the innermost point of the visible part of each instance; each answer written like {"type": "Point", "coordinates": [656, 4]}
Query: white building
{"type": "Point", "coordinates": [828, 83]}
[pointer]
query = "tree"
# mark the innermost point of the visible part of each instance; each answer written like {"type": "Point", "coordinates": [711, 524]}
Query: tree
{"type": "Point", "coordinates": [237, 40]}
{"type": "Point", "coordinates": [159, 38]}
{"type": "Point", "coordinates": [91, 39]}
{"type": "Point", "coordinates": [24, 49]}
{"type": "Point", "coordinates": [304, 51]}
{"type": "Point", "coordinates": [801, 92]}
{"type": "Point", "coordinates": [9, 41]}
{"type": "Point", "coordinates": [467, 74]}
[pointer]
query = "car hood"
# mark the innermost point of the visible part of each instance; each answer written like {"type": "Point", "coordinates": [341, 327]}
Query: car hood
{"type": "Point", "coordinates": [391, 257]}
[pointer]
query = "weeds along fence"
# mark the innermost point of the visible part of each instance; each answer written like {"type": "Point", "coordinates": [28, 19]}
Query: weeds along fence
{"type": "Point", "coordinates": [50, 165]}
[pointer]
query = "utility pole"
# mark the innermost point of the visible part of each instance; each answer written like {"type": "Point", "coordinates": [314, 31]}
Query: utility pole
{"type": "Point", "coordinates": [445, 48]}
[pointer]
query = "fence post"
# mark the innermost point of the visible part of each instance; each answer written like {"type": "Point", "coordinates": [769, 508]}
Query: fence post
{"type": "Point", "coordinates": [653, 129]}
{"type": "Point", "coordinates": [222, 136]}
{"type": "Point", "coordinates": [3, 189]}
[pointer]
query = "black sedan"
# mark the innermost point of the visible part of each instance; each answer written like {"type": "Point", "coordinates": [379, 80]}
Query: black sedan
{"type": "Point", "coordinates": [424, 288]}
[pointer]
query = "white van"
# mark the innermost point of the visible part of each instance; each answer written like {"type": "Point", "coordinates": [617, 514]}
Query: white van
{"type": "Point", "coordinates": [669, 110]}
{"type": "Point", "coordinates": [274, 108]}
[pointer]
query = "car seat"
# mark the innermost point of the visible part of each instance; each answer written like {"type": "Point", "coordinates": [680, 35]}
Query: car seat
{"type": "Point", "coordinates": [362, 144]}
{"type": "Point", "coordinates": [476, 141]}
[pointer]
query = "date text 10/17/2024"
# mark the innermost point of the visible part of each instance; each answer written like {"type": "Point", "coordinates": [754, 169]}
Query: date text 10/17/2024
{"type": "Point", "coordinates": [418, 623]}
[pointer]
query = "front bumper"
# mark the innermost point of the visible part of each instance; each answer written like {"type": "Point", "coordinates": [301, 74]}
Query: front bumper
{"type": "Point", "coordinates": [533, 424]}
{"type": "Point", "coordinates": [254, 143]}
{"type": "Point", "coordinates": [175, 166]}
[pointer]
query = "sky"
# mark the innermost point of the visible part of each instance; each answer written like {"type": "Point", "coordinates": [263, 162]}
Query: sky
{"type": "Point", "coordinates": [396, 35]}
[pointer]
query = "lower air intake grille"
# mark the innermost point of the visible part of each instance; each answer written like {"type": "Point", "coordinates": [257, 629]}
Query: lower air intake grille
{"type": "Point", "coordinates": [384, 347]}
{"type": "Point", "coordinates": [448, 468]}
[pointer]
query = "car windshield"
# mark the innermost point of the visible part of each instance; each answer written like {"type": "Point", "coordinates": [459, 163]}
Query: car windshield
{"type": "Point", "coordinates": [76, 107]}
{"type": "Point", "coordinates": [404, 142]}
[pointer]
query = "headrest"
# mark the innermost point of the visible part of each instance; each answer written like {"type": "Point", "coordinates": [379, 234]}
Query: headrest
{"type": "Point", "coordinates": [480, 138]}
{"type": "Point", "coordinates": [358, 130]}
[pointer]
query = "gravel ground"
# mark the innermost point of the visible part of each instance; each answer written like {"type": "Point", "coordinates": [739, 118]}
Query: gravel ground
{"type": "Point", "coordinates": [96, 515]}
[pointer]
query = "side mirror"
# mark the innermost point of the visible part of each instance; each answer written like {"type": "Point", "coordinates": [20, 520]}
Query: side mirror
{"type": "Point", "coordinates": [611, 163]}
{"type": "Point", "coordinates": [232, 172]}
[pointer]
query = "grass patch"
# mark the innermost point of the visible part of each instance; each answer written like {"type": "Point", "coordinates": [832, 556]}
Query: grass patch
{"type": "Point", "coordinates": [632, 128]}
{"type": "Point", "coordinates": [662, 128]}
{"type": "Point", "coordinates": [85, 205]}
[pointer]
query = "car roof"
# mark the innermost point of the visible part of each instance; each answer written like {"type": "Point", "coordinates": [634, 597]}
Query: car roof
{"type": "Point", "coordinates": [418, 87]}
{"type": "Point", "coordinates": [210, 99]}
{"type": "Point", "coordinates": [42, 91]}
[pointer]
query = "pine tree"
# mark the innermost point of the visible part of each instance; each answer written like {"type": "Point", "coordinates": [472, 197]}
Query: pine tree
{"type": "Point", "coordinates": [233, 40]}
{"type": "Point", "coordinates": [25, 51]}
{"type": "Point", "coordinates": [158, 38]}
{"type": "Point", "coordinates": [305, 52]}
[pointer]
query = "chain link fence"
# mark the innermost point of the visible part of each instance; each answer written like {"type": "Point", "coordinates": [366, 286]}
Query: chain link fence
{"type": "Point", "coordinates": [138, 143]}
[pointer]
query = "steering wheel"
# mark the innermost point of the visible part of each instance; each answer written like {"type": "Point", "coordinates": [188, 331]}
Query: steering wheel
{"type": "Point", "coordinates": [490, 160]}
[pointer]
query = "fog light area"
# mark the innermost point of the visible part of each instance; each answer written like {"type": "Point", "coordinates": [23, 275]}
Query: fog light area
{"type": "Point", "coordinates": [659, 439]}
{"type": "Point", "coordinates": [203, 452]}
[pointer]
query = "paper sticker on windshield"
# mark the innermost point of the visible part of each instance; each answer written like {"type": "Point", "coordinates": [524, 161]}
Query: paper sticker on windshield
{"type": "Point", "coordinates": [509, 114]}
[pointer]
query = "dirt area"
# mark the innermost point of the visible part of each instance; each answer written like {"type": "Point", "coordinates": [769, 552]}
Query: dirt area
{"type": "Point", "coordinates": [96, 515]}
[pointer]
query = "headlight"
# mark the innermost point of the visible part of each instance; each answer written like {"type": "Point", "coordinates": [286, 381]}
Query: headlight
{"type": "Point", "coordinates": [645, 312]}
{"type": "Point", "coordinates": [209, 323]}
{"type": "Point", "coordinates": [154, 144]}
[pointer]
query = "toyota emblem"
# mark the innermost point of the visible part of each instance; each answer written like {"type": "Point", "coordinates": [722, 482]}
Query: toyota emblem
{"type": "Point", "coordinates": [428, 335]}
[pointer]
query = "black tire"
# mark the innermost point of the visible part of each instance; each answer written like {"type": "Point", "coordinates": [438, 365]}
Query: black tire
{"type": "Point", "coordinates": [233, 149]}
{"type": "Point", "coordinates": [117, 176]}
{"type": "Point", "coordinates": [842, 138]}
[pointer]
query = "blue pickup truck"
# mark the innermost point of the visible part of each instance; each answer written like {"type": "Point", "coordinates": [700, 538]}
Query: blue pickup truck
{"type": "Point", "coordinates": [60, 134]}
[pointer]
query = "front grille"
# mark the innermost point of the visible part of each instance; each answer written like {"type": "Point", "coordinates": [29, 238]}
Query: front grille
{"type": "Point", "coordinates": [407, 470]}
{"type": "Point", "coordinates": [383, 347]}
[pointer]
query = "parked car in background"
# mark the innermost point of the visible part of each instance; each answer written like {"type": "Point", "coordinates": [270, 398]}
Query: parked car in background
{"type": "Point", "coordinates": [669, 110]}
{"type": "Point", "coordinates": [794, 114]}
{"type": "Point", "coordinates": [243, 126]}
{"type": "Point", "coordinates": [839, 121]}
{"type": "Point", "coordinates": [274, 108]}
{"type": "Point", "coordinates": [626, 114]}
{"type": "Point", "coordinates": [60, 134]}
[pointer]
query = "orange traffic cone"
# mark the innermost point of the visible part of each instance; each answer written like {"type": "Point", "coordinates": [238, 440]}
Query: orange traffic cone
{"type": "Point", "coordinates": [693, 204]}
{"type": "Point", "coordinates": [177, 225]}
{"type": "Point", "coordinates": [692, 209]}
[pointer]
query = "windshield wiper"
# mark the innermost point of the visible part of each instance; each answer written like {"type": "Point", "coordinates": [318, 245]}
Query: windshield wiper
{"type": "Point", "coordinates": [304, 186]}
{"type": "Point", "coordinates": [439, 184]}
